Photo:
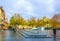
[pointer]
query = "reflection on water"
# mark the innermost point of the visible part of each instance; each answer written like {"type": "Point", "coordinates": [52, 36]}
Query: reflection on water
{"type": "Point", "coordinates": [12, 36]}
{"type": "Point", "coordinates": [54, 38]}
{"type": "Point", "coordinates": [6, 35]}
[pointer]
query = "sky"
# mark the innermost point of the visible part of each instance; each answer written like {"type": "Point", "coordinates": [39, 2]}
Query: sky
{"type": "Point", "coordinates": [28, 8]}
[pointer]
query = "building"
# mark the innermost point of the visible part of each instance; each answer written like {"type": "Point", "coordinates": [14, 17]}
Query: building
{"type": "Point", "coordinates": [3, 22]}
{"type": "Point", "coordinates": [56, 20]}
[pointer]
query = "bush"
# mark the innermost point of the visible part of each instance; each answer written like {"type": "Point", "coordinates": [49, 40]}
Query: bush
{"type": "Point", "coordinates": [58, 28]}
{"type": "Point", "coordinates": [10, 27]}
{"type": "Point", "coordinates": [48, 28]}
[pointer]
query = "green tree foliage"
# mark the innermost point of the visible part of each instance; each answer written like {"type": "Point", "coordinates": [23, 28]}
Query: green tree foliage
{"type": "Point", "coordinates": [16, 20]}
{"type": "Point", "coordinates": [12, 20]}
{"type": "Point", "coordinates": [32, 21]}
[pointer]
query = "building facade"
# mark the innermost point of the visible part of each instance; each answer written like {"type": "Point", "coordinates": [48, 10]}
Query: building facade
{"type": "Point", "coordinates": [3, 22]}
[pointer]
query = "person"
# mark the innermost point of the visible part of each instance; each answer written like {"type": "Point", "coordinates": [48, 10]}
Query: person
{"type": "Point", "coordinates": [14, 29]}
{"type": "Point", "coordinates": [54, 31]}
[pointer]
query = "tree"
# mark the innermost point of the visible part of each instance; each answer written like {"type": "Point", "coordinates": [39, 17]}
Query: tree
{"type": "Point", "coordinates": [12, 20]}
{"type": "Point", "coordinates": [16, 20]}
{"type": "Point", "coordinates": [32, 22]}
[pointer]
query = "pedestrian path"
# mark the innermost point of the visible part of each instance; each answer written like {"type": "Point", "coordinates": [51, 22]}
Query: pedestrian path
{"type": "Point", "coordinates": [30, 34]}
{"type": "Point", "coordinates": [43, 39]}
{"type": "Point", "coordinates": [16, 36]}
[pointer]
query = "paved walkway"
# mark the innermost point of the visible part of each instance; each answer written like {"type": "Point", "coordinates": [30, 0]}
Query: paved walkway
{"type": "Point", "coordinates": [16, 36]}
{"type": "Point", "coordinates": [49, 33]}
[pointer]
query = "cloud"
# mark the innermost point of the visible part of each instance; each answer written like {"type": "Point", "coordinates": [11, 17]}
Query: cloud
{"type": "Point", "coordinates": [24, 6]}
{"type": "Point", "coordinates": [49, 5]}
{"type": "Point", "coordinates": [57, 6]}
{"type": "Point", "coordinates": [21, 4]}
{"type": "Point", "coordinates": [36, 8]}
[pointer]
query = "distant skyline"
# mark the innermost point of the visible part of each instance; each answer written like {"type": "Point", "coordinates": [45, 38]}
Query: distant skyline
{"type": "Point", "coordinates": [28, 8]}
